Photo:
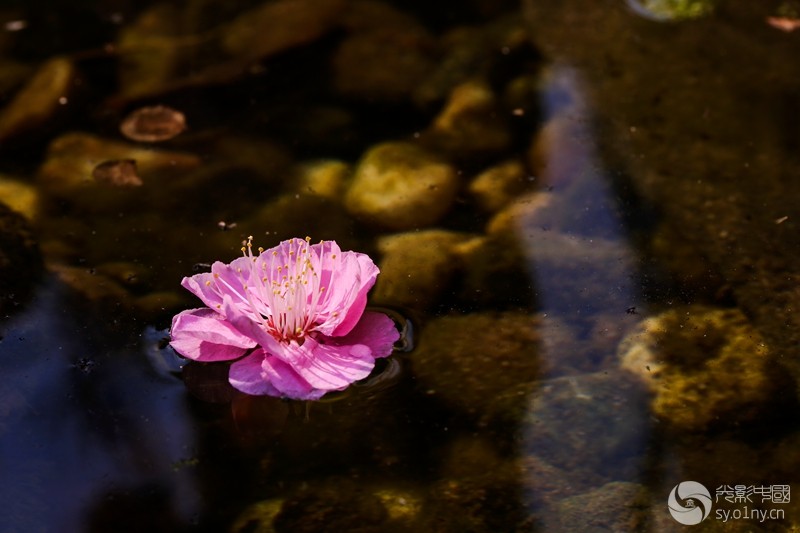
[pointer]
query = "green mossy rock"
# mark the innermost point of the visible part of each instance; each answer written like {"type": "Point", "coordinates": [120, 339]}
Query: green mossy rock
{"type": "Point", "coordinates": [703, 366]}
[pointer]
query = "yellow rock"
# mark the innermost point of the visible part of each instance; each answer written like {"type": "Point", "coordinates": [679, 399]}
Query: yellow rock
{"type": "Point", "coordinates": [523, 213]}
{"type": "Point", "coordinates": [703, 365]}
{"type": "Point", "coordinates": [402, 281]}
{"type": "Point", "coordinates": [470, 125]}
{"type": "Point", "coordinates": [39, 99]}
{"type": "Point", "coordinates": [322, 178]}
{"type": "Point", "coordinates": [401, 186]}
{"type": "Point", "coordinates": [273, 27]}
{"type": "Point", "coordinates": [497, 186]}
{"type": "Point", "coordinates": [69, 172]}
{"type": "Point", "coordinates": [20, 196]}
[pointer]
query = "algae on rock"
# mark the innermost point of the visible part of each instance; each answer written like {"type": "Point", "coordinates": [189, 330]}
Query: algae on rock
{"type": "Point", "coordinates": [704, 367]}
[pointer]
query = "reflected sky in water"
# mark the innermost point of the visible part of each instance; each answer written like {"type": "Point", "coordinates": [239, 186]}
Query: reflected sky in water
{"type": "Point", "coordinates": [583, 269]}
{"type": "Point", "coordinates": [85, 424]}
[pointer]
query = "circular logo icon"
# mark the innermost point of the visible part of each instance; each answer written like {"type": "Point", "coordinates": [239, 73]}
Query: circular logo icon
{"type": "Point", "coordinates": [689, 503]}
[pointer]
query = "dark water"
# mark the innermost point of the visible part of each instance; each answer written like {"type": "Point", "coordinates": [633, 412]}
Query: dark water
{"type": "Point", "coordinates": [649, 230]}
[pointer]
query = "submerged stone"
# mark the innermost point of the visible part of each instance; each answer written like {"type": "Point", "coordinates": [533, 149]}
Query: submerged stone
{"type": "Point", "coordinates": [365, 15]}
{"type": "Point", "coordinates": [401, 186]}
{"type": "Point", "coordinates": [685, 263]}
{"type": "Point", "coordinates": [273, 27]}
{"type": "Point", "coordinates": [319, 217]}
{"type": "Point", "coordinates": [471, 456]}
{"type": "Point", "coordinates": [484, 502]}
{"type": "Point", "coordinates": [386, 54]}
{"type": "Point", "coordinates": [705, 367]}
{"type": "Point", "coordinates": [39, 100]}
{"type": "Point", "coordinates": [258, 517]}
{"type": "Point", "coordinates": [148, 51]}
{"type": "Point", "coordinates": [152, 124]}
{"type": "Point", "coordinates": [20, 196]}
{"type": "Point", "coordinates": [167, 49]}
{"type": "Point", "coordinates": [594, 427]}
{"type": "Point", "coordinates": [96, 289]}
{"type": "Point", "coordinates": [336, 507]}
{"type": "Point", "coordinates": [13, 75]}
{"type": "Point", "coordinates": [118, 173]}
{"type": "Point", "coordinates": [498, 185]}
{"type": "Point", "coordinates": [495, 273]}
{"type": "Point", "coordinates": [72, 160]}
{"type": "Point", "coordinates": [403, 505]}
{"type": "Point", "coordinates": [616, 506]}
{"type": "Point", "coordinates": [572, 275]}
{"type": "Point", "coordinates": [672, 10]}
{"type": "Point", "coordinates": [528, 211]}
{"type": "Point", "coordinates": [325, 178]}
{"type": "Point", "coordinates": [476, 52]}
{"type": "Point", "coordinates": [471, 125]}
{"type": "Point", "coordinates": [335, 504]}
{"type": "Point", "coordinates": [402, 282]}
{"type": "Point", "coordinates": [128, 274]}
{"type": "Point", "coordinates": [467, 360]}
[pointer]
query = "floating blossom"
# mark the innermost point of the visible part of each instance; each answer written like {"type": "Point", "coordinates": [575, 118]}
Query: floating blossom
{"type": "Point", "coordinates": [293, 317]}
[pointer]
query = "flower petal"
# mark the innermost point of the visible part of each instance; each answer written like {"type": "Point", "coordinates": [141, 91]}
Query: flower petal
{"type": "Point", "coordinates": [204, 335]}
{"type": "Point", "coordinates": [260, 374]}
{"type": "Point", "coordinates": [288, 382]}
{"type": "Point", "coordinates": [248, 376]}
{"type": "Point", "coordinates": [376, 331]}
{"type": "Point", "coordinates": [328, 366]}
{"type": "Point", "coordinates": [223, 280]}
{"type": "Point", "coordinates": [363, 273]}
{"type": "Point", "coordinates": [242, 321]}
{"type": "Point", "coordinates": [348, 278]}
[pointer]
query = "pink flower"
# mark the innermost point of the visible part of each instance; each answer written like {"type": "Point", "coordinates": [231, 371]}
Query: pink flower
{"type": "Point", "coordinates": [293, 318]}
